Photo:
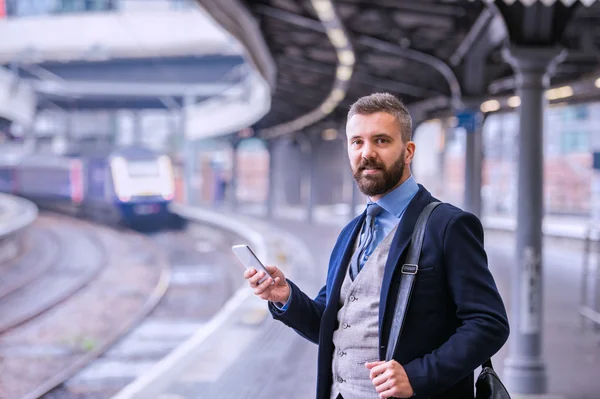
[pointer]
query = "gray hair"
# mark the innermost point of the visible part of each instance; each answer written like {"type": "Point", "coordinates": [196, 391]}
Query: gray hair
{"type": "Point", "coordinates": [388, 103]}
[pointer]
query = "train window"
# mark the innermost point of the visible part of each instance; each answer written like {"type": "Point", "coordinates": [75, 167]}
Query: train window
{"type": "Point", "coordinates": [142, 168]}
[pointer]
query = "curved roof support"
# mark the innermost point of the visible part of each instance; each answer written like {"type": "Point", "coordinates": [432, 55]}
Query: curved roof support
{"type": "Point", "coordinates": [238, 21]}
{"type": "Point", "coordinates": [424, 58]}
{"type": "Point", "coordinates": [345, 67]}
{"type": "Point", "coordinates": [421, 110]}
{"type": "Point", "coordinates": [479, 27]}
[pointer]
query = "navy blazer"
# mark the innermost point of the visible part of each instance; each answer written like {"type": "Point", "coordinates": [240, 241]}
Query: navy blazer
{"type": "Point", "coordinates": [455, 321]}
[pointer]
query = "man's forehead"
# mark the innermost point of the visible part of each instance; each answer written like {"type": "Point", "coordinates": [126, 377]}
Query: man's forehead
{"type": "Point", "coordinates": [372, 123]}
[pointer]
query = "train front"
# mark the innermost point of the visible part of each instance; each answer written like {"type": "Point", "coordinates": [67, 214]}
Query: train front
{"type": "Point", "coordinates": [143, 185]}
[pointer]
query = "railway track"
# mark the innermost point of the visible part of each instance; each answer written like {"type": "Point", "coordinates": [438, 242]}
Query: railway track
{"type": "Point", "coordinates": [59, 264]}
{"type": "Point", "coordinates": [65, 301]}
{"type": "Point", "coordinates": [128, 301]}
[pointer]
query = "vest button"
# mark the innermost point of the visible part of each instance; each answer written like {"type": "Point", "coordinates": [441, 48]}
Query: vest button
{"type": "Point", "coordinates": [352, 298]}
{"type": "Point", "coordinates": [340, 379]}
{"type": "Point", "coordinates": [341, 353]}
{"type": "Point", "coordinates": [345, 325]}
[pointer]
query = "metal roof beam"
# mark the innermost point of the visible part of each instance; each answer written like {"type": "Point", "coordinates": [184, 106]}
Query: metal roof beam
{"type": "Point", "coordinates": [290, 18]}
{"type": "Point", "coordinates": [427, 8]}
{"type": "Point", "coordinates": [419, 56]}
{"type": "Point", "coordinates": [482, 23]}
{"type": "Point", "coordinates": [366, 78]}
{"type": "Point", "coordinates": [394, 85]}
{"type": "Point", "coordinates": [119, 89]}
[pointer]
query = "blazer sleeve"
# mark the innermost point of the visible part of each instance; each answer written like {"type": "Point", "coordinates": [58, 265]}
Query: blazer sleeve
{"type": "Point", "coordinates": [479, 307]}
{"type": "Point", "coordinates": [303, 314]}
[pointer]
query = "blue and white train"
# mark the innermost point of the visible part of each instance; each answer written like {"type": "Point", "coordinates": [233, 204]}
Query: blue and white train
{"type": "Point", "coordinates": [129, 186]}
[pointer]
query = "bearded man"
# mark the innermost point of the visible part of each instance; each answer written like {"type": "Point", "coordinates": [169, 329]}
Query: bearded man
{"type": "Point", "coordinates": [455, 320]}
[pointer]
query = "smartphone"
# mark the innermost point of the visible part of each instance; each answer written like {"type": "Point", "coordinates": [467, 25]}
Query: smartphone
{"type": "Point", "coordinates": [249, 260]}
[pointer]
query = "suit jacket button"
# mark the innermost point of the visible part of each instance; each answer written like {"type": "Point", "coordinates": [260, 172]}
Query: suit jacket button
{"type": "Point", "coordinates": [340, 379]}
{"type": "Point", "coordinates": [345, 325]}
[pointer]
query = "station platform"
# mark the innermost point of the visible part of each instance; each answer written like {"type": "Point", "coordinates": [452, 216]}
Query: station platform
{"type": "Point", "coordinates": [15, 214]}
{"type": "Point", "coordinates": [250, 355]}
{"type": "Point", "coordinates": [563, 227]}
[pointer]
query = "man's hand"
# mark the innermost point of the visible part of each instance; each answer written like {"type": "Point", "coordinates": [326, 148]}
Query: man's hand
{"type": "Point", "coordinates": [277, 290]}
{"type": "Point", "coordinates": [389, 379]}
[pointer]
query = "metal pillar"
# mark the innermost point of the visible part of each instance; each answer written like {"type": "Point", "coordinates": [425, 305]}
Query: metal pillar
{"type": "Point", "coordinates": [70, 125]}
{"type": "Point", "coordinates": [309, 183]}
{"type": "Point", "coordinates": [137, 128]}
{"type": "Point", "coordinates": [474, 85]}
{"type": "Point", "coordinates": [271, 189]}
{"type": "Point", "coordinates": [444, 135]}
{"type": "Point", "coordinates": [30, 134]}
{"type": "Point", "coordinates": [114, 128]}
{"type": "Point", "coordinates": [473, 169]}
{"type": "Point", "coordinates": [187, 153]}
{"type": "Point", "coordinates": [309, 172]}
{"type": "Point", "coordinates": [351, 192]}
{"type": "Point", "coordinates": [234, 174]}
{"type": "Point", "coordinates": [311, 159]}
{"type": "Point", "coordinates": [525, 371]}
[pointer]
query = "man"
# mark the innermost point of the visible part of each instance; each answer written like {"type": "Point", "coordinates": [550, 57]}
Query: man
{"type": "Point", "coordinates": [455, 320]}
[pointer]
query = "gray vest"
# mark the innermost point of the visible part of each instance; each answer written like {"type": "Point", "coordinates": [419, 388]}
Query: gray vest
{"type": "Point", "coordinates": [356, 340]}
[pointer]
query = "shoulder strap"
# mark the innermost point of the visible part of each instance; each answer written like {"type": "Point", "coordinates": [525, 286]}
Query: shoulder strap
{"type": "Point", "coordinates": [409, 272]}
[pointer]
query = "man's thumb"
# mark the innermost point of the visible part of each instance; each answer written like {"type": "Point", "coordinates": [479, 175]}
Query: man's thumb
{"type": "Point", "coordinates": [271, 269]}
{"type": "Point", "coordinates": [370, 365]}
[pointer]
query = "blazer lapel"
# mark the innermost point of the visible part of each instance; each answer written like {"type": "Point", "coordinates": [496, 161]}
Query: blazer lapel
{"type": "Point", "coordinates": [344, 260]}
{"type": "Point", "coordinates": [400, 245]}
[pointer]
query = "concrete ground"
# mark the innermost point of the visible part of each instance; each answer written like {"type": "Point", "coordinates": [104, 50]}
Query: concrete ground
{"type": "Point", "coordinates": [255, 357]}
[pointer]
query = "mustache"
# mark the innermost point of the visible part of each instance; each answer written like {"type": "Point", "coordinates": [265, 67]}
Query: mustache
{"type": "Point", "coordinates": [369, 164]}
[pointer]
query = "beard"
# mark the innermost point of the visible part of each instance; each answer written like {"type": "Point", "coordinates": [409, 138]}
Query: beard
{"type": "Point", "coordinates": [382, 182]}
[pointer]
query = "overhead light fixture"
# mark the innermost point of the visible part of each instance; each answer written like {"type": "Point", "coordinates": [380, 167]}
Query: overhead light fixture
{"type": "Point", "coordinates": [327, 106]}
{"type": "Point", "coordinates": [344, 72]}
{"type": "Point", "coordinates": [337, 37]}
{"type": "Point", "coordinates": [559, 92]}
{"type": "Point", "coordinates": [329, 134]}
{"type": "Point", "coordinates": [490, 106]}
{"type": "Point", "coordinates": [324, 9]}
{"type": "Point", "coordinates": [346, 60]}
{"type": "Point", "coordinates": [597, 83]}
{"type": "Point", "coordinates": [337, 95]}
{"type": "Point", "coordinates": [346, 57]}
{"type": "Point", "coordinates": [514, 101]}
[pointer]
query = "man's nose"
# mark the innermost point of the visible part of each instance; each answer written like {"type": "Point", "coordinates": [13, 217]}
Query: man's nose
{"type": "Point", "coordinates": [368, 152]}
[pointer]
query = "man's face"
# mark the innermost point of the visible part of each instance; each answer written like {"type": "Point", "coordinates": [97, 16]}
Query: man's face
{"type": "Point", "coordinates": [378, 155]}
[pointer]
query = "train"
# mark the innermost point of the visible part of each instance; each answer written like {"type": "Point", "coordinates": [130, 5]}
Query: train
{"type": "Point", "coordinates": [130, 187]}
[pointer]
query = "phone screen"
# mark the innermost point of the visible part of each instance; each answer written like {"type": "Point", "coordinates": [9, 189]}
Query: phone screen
{"type": "Point", "coordinates": [249, 260]}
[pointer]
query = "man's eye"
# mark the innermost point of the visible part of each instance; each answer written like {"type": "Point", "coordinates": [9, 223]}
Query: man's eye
{"type": "Point", "coordinates": [380, 141]}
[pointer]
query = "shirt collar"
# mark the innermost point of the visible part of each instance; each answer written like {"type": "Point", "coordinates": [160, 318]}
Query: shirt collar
{"type": "Point", "coordinates": [396, 201]}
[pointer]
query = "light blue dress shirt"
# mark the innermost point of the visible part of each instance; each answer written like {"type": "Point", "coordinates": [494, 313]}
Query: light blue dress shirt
{"type": "Point", "coordinates": [394, 205]}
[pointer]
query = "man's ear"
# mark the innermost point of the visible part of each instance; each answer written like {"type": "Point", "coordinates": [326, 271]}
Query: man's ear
{"type": "Point", "coordinates": [410, 152]}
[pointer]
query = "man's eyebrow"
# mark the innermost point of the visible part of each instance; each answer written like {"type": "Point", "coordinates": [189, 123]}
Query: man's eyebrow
{"type": "Point", "coordinates": [382, 135]}
{"type": "Point", "coordinates": [375, 136]}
